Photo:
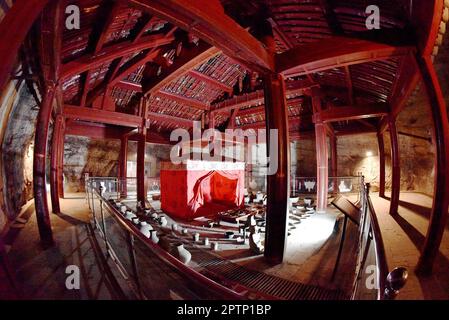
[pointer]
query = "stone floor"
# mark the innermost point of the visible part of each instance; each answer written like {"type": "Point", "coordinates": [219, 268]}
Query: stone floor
{"type": "Point", "coordinates": [41, 273]}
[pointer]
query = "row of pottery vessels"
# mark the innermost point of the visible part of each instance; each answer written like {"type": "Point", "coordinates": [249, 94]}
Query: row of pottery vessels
{"type": "Point", "coordinates": [177, 249]}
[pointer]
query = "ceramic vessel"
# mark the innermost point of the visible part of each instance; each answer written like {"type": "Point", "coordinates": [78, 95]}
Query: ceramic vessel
{"type": "Point", "coordinates": [145, 228]}
{"type": "Point", "coordinates": [196, 237]}
{"type": "Point", "coordinates": [174, 227]}
{"type": "Point", "coordinates": [136, 220]}
{"type": "Point", "coordinates": [154, 236]}
{"type": "Point", "coordinates": [130, 215]}
{"type": "Point", "coordinates": [123, 209]}
{"type": "Point", "coordinates": [182, 253]}
{"type": "Point", "coordinates": [206, 241]}
{"type": "Point", "coordinates": [185, 231]}
{"type": "Point", "coordinates": [154, 216]}
{"type": "Point", "coordinates": [163, 221]}
{"type": "Point", "coordinates": [229, 234]}
{"type": "Point", "coordinates": [214, 246]}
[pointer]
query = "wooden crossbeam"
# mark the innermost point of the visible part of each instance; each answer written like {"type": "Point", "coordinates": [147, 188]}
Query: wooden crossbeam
{"type": "Point", "coordinates": [352, 113]}
{"type": "Point", "coordinates": [207, 20]}
{"type": "Point", "coordinates": [102, 116]}
{"type": "Point", "coordinates": [211, 81]}
{"type": "Point", "coordinates": [108, 54]}
{"type": "Point", "coordinates": [193, 103]}
{"type": "Point", "coordinates": [338, 51]}
{"type": "Point", "coordinates": [95, 130]}
{"type": "Point", "coordinates": [182, 122]}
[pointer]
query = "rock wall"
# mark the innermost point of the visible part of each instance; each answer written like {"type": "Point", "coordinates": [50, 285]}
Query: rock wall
{"type": "Point", "coordinates": [17, 150]}
{"type": "Point", "coordinates": [100, 158]}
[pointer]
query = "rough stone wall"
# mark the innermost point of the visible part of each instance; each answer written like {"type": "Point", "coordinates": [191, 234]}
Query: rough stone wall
{"type": "Point", "coordinates": [82, 155]}
{"type": "Point", "coordinates": [17, 152]}
{"type": "Point", "coordinates": [100, 158]}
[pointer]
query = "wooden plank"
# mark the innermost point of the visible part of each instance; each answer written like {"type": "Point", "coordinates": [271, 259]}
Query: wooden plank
{"type": "Point", "coordinates": [207, 20]}
{"type": "Point", "coordinates": [193, 103]}
{"type": "Point", "coordinates": [182, 122]}
{"type": "Point", "coordinates": [336, 114]}
{"type": "Point", "coordinates": [102, 116]}
{"type": "Point", "coordinates": [337, 51]}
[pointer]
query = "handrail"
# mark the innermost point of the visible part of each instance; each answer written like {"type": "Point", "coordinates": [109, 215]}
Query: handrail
{"type": "Point", "coordinates": [173, 262]}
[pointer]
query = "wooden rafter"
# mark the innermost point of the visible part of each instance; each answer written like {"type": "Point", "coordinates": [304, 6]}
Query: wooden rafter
{"type": "Point", "coordinates": [207, 20]}
{"type": "Point", "coordinates": [338, 51]}
{"type": "Point", "coordinates": [349, 85]}
{"type": "Point", "coordinates": [182, 122]}
{"type": "Point", "coordinates": [183, 100]}
{"type": "Point", "coordinates": [352, 113]}
{"type": "Point", "coordinates": [108, 54]}
{"type": "Point", "coordinates": [102, 116]}
{"type": "Point", "coordinates": [211, 81]}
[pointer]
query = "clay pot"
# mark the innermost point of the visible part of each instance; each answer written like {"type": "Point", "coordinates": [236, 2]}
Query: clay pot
{"type": "Point", "coordinates": [174, 227]}
{"type": "Point", "coordinates": [163, 221]}
{"type": "Point", "coordinates": [196, 237]}
{"type": "Point", "coordinates": [182, 254]}
{"type": "Point", "coordinates": [123, 209]}
{"type": "Point", "coordinates": [206, 241]}
{"type": "Point", "coordinates": [154, 216]}
{"type": "Point", "coordinates": [185, 231]}
{"type": "Point", "coordinates": [154, 236]}
{"type": "Point", "coordinates": [130, 215]}
{"type": "Point", "coordinates": [214, 246]}
{"type": "Point", "coordinates": [145, 228]}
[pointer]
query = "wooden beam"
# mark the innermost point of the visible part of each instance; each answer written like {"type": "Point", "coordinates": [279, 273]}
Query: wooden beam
{"type": "Point", "coordinates": [337, 51]}
{"type": "Point", "coordinates": [95, 130]}
{"type": "Point", "coordinates": [395, 168]}
{"type": "Point", "coordinates": [57, 144]}
{"type": "Point", "coordinates": [349, 85]}
{"type": "Point", "coordinates": [19, 18]}
{"type": "Point", "coordinates": [102, 116]}
{"type": "Point", "coordinates": [193, 103]}
{"type": "Point", "coordinates": [278, 182]}
{"type": "Point", "coordinates": [182, 122]}
{"type": "Point", "coordinates": [439, 212]}
{"type": "Point", "coordinates": [381, 144]}
{"type": "Point", "coordinates": [110, 53]}
{"type": "Point", "coordinates": [293, 88]}
{"type": "Point", "coordinates": [207, 20]}
{"type": "Point", "coordinates": [126, 85]}
{"type": "Point", "coordinates": [352, 113]}
{"type": "Point", "coordinates": [211, 81]}
{"type": "Point", "coordinates": [123, 164]}
{"type": "Point", "coordinates": [190, 58]}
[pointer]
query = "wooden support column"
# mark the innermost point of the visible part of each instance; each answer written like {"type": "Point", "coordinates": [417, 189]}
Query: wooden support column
{"type": "Point", "coordinates": [278, 184]}
{"type": "Point", "coordinates": [381, 143]}
{"type": "Point", "coordinates": [123, 165]}
{"type": "Point", "coordinates": [395, 168]}
{"type": "Point", "coordinates": [141, 149]}
{"type": "Point", "coordinates": [60, 170]}
{"type": "Point", "coordinates": [334, 162]}
{"type": "Point", "coordinates": [322, 167]}
{"type": "Point", "coordinates": [438, 216]}
{"type": "Point", "coordinates": [39, 165]}
{"type": "Point", "coordinates": [55, 159]}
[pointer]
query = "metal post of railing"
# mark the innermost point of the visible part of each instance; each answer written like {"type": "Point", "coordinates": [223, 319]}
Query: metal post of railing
{"type": "Point", "coordinates": [103, 222]}
{"type": "Point", "coordinates": [132, 257]}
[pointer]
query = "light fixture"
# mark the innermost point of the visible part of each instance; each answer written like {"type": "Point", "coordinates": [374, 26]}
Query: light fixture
{"type": "Point", "coordinates": [369, 153]}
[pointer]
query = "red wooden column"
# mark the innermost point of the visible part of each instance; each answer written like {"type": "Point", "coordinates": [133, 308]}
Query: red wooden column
{"type": "Point", "coordinates": [60, 169]}
{"type": "Point", "coordinates": [334, 162]}
{"type": "Point", "coordinates": [141, 149]}
{"type": "Point", "coordinates": [440, 204]}
{"type": "Point", "coordinates": [322, 167]}
{"type": "Point", "coordinates": [122, 165]}
{"type": "Point", "coordinates": [39, 165]}
{"type": "Point", "coordinates": [278, 184]}
{"type": "Point", "coordinates": [395, 168]}
{"type": "Point", "coordinates": [380, 141]}
{"type": "Point", "coordinates": [58, 129]}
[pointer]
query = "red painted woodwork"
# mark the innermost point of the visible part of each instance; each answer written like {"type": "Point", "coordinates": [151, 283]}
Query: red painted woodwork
{"type": "Point", "coordinates": [55, 166]}
{"type": "Point", "coordinates": [321, 160]}
{"type": "Point", "coordinates": [439, 213]}
{"type": "Point", "coordinates": [102, 116]}
{"type": "Point", "coordinates": [95, 130]}
{"type": "Point", "coordinates": [39, 165]}
{"type": "Point", "coordinates": [212, 81]}
{"type": "Point", "coordinates": [334, 155]}
{"type": "Point", "coordinates": [381, 144]}
{"type": "Point", "coordinates": [108, 54]}
{"type": "Point", "coordinates": [123, 164]}
{"type": "Point", "coordinates": [336, 114]}
{"type": "Point", "coordinates": [216, 28]}
{"type": "Point", "coordinates": [337, 51]}
{"type": "Point", "coordinates": [182, 122]}
{"type": "Point", "coordinates": [395, 168]}
{"type": "Point", "coordinates": [19, 18]}
{"type": "Point", "coordinates": [193, 103]}
{"type": "Point", "coordinates": [278, 184]}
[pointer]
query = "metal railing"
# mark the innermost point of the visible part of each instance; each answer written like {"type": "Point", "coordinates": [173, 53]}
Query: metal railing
{"type": "Point", "coordinates": [341, 185]}
{"type": "Point", "coordinates": [372, 281]}
{"type": "Point", "coordinates": [152, 272]}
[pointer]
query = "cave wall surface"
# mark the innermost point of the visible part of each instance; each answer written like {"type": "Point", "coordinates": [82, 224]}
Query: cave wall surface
{"type": "Point", "coordinates": [17, 151]}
